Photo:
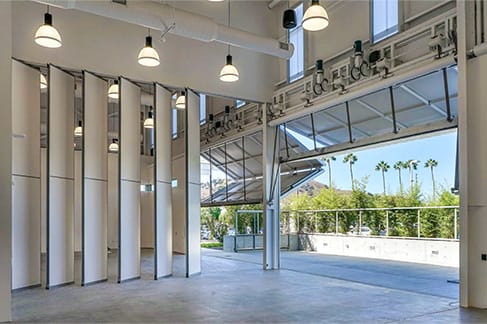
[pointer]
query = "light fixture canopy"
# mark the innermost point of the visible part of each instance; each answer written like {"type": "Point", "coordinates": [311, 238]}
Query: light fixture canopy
{"type": "Point", "coordinates": [181, 101]}
{"type": "Point", "coordinates": [216, 0]}
{"type": "Point", "coordinates": [149, 121]}
{"type": "Point", "coordinates": [148, 56]}
{"type": "Point", "coordinates": [43, 81]}
{"type": "Point", "coordinates": [78, 131]}
{"type": "Point", "coordinates": [113, 91]}
{"type": "Point", "coordinates": [46, 35]}
{"type": "Point", "coordinates": [229, 72]}
{"type": "Point", "coordinates": [315, 18]}
{"type": "Point", "coordinates": [113, 147]}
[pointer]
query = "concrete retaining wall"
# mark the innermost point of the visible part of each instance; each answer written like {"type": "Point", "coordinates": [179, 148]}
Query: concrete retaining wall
{"type": "Point", "coordinates": [428, 251]}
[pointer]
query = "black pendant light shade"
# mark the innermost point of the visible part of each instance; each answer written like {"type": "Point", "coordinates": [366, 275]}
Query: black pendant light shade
{"type": "Point", "coordinates": [289, 19]}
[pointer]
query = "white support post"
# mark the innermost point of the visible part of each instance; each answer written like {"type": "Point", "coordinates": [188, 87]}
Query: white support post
{"type": "Point", "coordinates": [272, 190]}
{"type": "Point", "coordinates": [193, 183]}
{"type": "Point", "coordinates": [163, 260]}
{"type": "Point", "coordinates": [472, 117]}
{"type": "Point", "coordinates": [5, 160]}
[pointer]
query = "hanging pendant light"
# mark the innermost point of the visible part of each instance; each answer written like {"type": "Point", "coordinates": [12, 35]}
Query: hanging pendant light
{"type": "Point", "coordinates": [315, 18]}
{"type": "Point", "coordinates": [113, 90]}
{"type": "Point", "coordinates": [148, 55]}
{"type": "Point", "coordinates": [43, 81]}
{"type": "Point", "coordinates": [113, 147]}
{"type": "Point", "coordinates": [289, 20]}
{"type": "Point", "coordinates": [229, 72]}
{"type": "Point", "coordinates": [181, 101]}
{"type": "Point", "coordinates": [149, 122]}
{"type": "Point", "coordinates": [46, 35]}
{"type": "Point", "coordinates": [78, 131]}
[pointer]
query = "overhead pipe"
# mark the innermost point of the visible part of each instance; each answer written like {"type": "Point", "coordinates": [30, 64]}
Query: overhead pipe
{"type": "Point", "coordinates": [273, 3]}
{"type": "Point", "coordinates": [178, 22]}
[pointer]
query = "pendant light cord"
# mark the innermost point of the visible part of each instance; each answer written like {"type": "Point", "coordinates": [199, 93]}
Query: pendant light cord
{"type": "Point", "coordinates": [48, 9]}
{"type": "Point", "coordinates": [228, 23]}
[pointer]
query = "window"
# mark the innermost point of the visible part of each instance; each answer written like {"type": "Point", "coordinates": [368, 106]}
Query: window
{"type": "Point", "coordinates": [385, 19]}
{"type": "Point", "coordinates": [202, 109]}
{"type": "Point", "coordinates": [239, 103]}
{"type": "Point", "coordinates": [296, 37]}
{"type": "Point", "coordinates": [174, 123]}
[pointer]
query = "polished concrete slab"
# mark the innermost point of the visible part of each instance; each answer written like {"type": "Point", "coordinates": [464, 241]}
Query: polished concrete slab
{"type": "Point", "coordinates": [233, 288]}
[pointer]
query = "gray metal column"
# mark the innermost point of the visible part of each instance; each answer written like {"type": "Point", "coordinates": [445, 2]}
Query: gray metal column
{"type": "Point", "coordinates": [271, 195]}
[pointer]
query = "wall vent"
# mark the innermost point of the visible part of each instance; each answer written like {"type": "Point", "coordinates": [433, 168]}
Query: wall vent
{"type": "Point", "coordinates": [284, 46]}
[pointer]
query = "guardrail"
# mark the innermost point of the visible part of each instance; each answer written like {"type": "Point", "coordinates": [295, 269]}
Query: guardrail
{"type": "Point", "coordinates": [427, 222]}
{"type": "Point", "coordinates": [249, 226]}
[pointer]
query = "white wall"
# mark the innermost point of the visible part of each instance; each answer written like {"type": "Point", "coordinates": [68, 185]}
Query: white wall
{"type": "Point", "coordinates": [111, 47]}
{"type": "Point", "coordinates": [78, 181]}
{"type": "Point", "coordinates": [178, 204]}
{"type": "Point", "coordinates": [473, 232]}
{"type": "Point", "coordinates": [147, 203]}
{"type": "Point", "coordinates": [113, 200]}
{"type": "Point", "coordinates": [349, 21]}
{"type": "Point", "coordinates": [77, 200]}
{"type": "Point", "coordinates": [5, 161]}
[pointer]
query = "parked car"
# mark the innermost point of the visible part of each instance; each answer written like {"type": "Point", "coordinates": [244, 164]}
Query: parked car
{"type": "Point", "coordinates": [205, 234]}
{"type": "Point", "coordinates": [364, 231]}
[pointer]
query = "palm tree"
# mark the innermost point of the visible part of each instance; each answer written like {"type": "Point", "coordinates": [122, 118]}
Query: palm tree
{"type": "Point", "coordinates": [432, 164]}
{"type": "Point", "coordinates": [412, 165]}
{"type": "Point", "coordinates": [328, 161]}
{"type": "Point", "coordinates": [399, 165]}
{"type": "Point", "coordinates": [350, 159]}
{"type": "Point", "coordinates": [383, 167]}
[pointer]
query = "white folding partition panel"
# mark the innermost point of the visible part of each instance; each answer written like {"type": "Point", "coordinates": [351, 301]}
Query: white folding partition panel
{"type": "Point", "coordinates": [60, 184]}
{"type": "Point", "coordinates": [193, 183]}
{"type": "Point", "coordinates": [26, 173]}
{"type": "Point", "coordinates": [129, 185]}
{"type": "Point", "coordinates": [163, 192]}
{"type": "Point", "coordinates": [95, 180]}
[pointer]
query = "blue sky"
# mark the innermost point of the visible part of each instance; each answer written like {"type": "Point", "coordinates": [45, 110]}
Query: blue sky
{"type": "Point", "coordinates": [441, 148]}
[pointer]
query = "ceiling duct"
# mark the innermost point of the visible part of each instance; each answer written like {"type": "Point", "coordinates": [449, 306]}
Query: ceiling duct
{"type": "Point", "coordinates": [178, 22]}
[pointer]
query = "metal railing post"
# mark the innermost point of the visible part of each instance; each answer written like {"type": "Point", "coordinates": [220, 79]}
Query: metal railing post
{"type": "Point", "coordinates": [360, 222]}
{"type": "Point", "coordinates": [387, 223]}
{"type": "Point", "coordinates": [455, 230]}
{"type": "Point", "coordinates": [336, 222]}
{"type": "Point", "coordinates": [288, 231]}
{"type": "Point", "coordinates": [419, 223]}
{"type": "Point", "coordinates": [316, 222]}
{"type": "Point", "coordinates": [235, 227]}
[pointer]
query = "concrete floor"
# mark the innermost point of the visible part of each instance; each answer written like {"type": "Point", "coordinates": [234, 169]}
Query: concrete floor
{"type": "Point", "coordinates": [233, 288]}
